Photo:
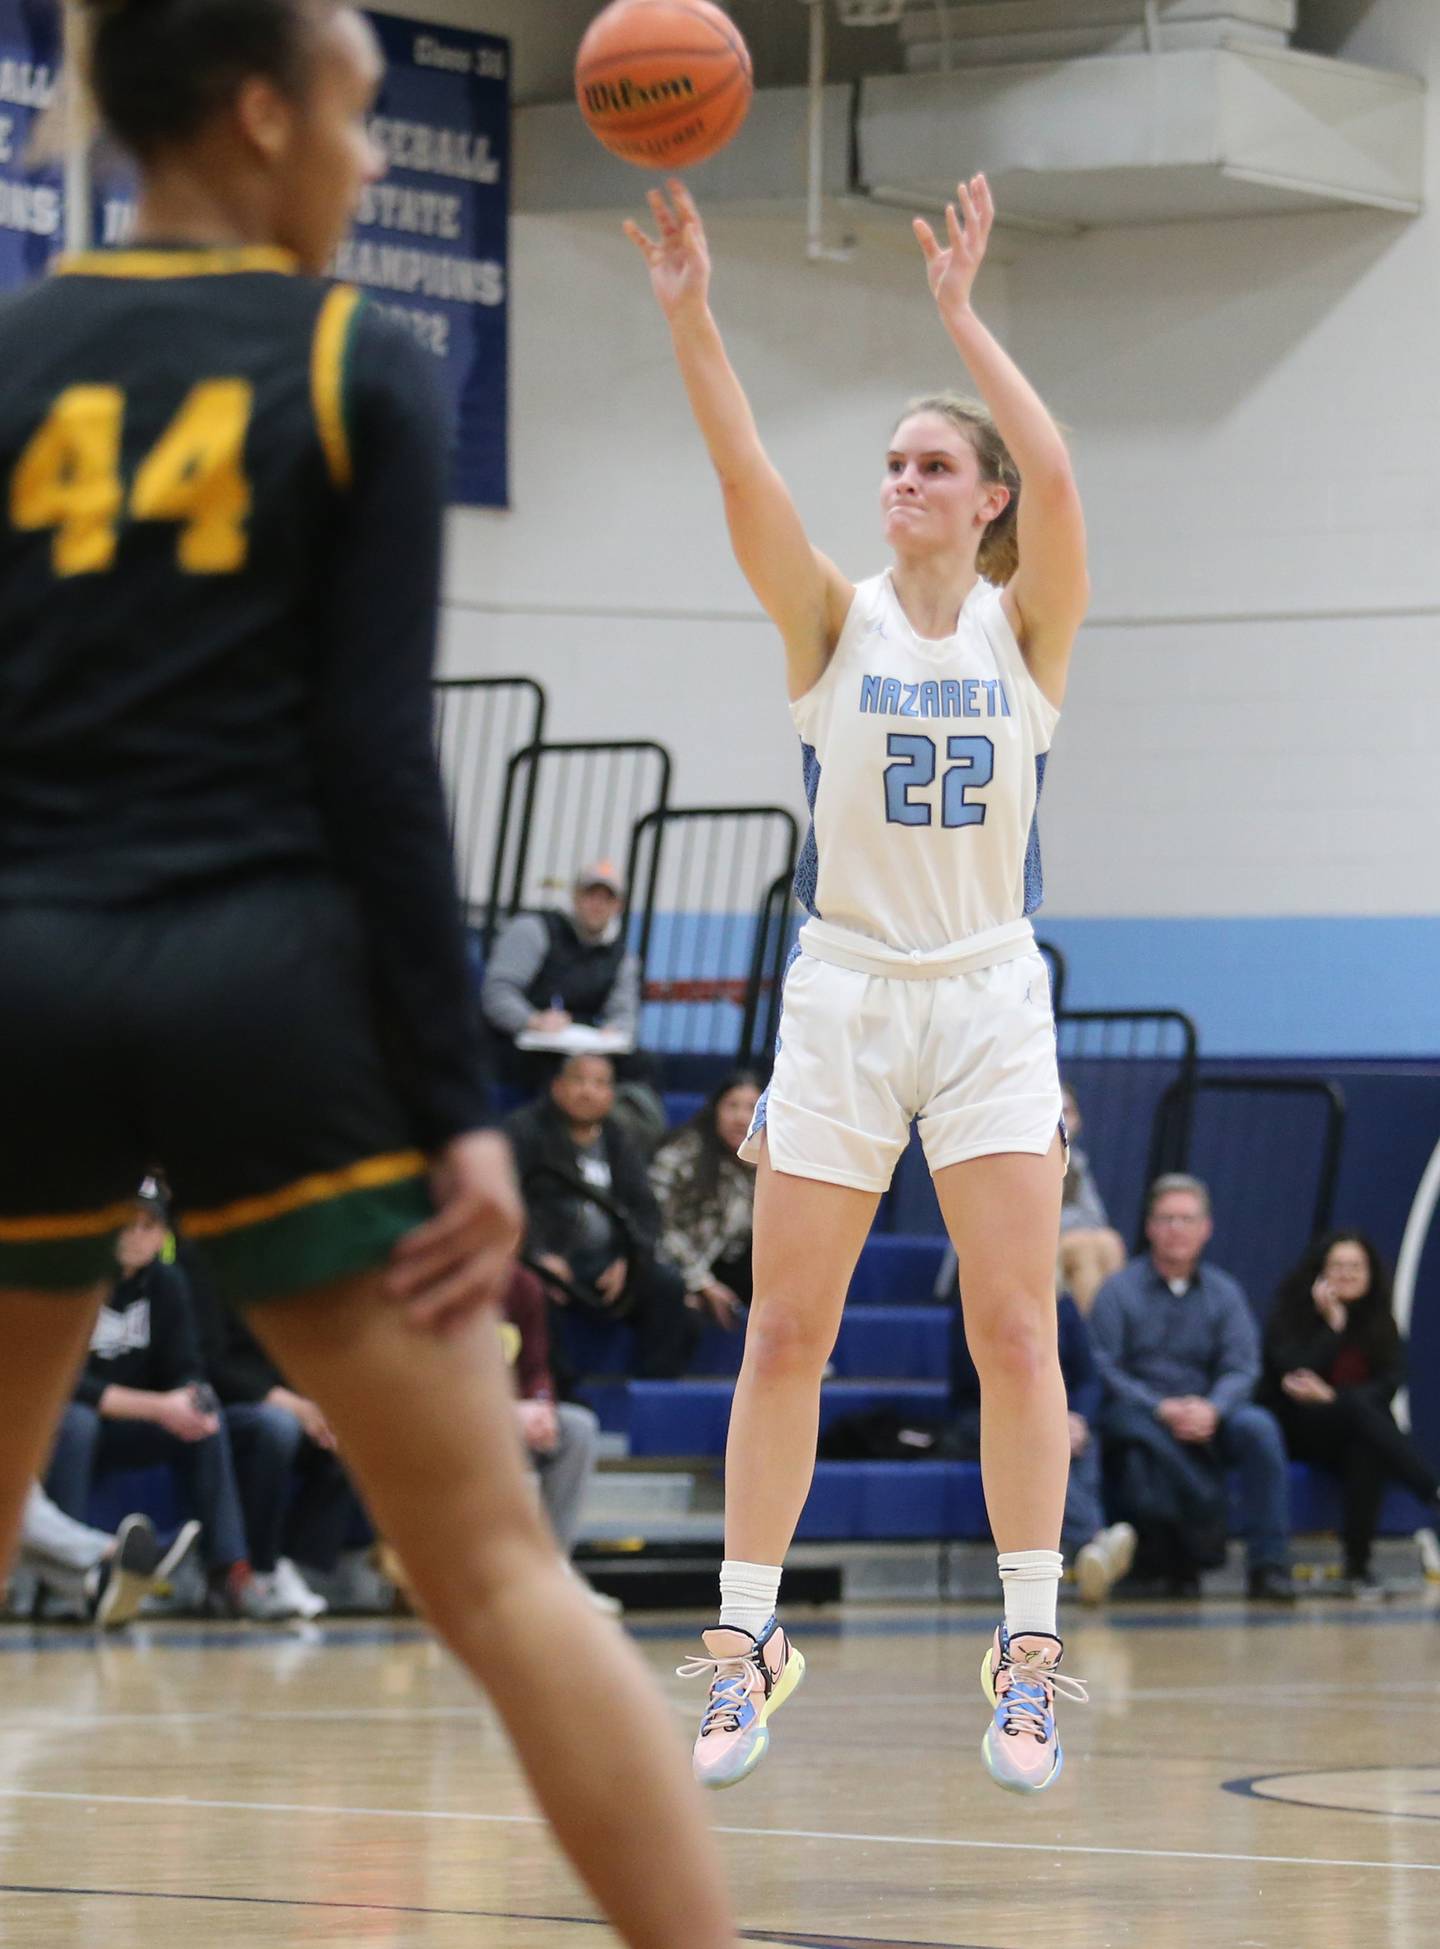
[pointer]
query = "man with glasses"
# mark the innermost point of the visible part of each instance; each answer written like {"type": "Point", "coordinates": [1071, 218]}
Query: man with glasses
{"type": "Point", "coordinates": [1179, 1353]}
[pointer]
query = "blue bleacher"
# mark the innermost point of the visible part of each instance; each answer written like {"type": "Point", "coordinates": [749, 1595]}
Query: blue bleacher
{"type": "Point", "coordinates": [893, 1351]}
{"type": "Point", "coordinates": [690, 1417]}
{"type": "Point", "coordinates": [154, 1489]}
{"type": "Point", "coordinates": [890, 1328]}
{"type": "Point", "coordinates": [875, 1501]}
{"type": "Point", "coordinates": [897, 1269]}
{"type": "Point", "coordinates": [876, 1342]}
{"type": "Point", "coordinates": [892, 1501]}
{"type": "Point", "coordinates": [849, 1501]}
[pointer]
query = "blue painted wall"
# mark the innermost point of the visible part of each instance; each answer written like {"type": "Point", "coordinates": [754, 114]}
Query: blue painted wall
{"type": "Point", "coordinates": [1333, 987]}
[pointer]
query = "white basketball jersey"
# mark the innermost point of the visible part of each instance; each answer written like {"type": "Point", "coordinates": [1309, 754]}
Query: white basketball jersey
{"type": "Point", "coordinates": [923, 766]}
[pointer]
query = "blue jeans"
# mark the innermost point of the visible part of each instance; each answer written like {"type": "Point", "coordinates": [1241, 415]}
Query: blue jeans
{"type": "Point", "coordinates": [1084, 1502]}
{"type": "Point", "coordinates": [266, 1442]}
{"type": "Point", "coordinates": [297, 1498]}
{"type": "Point", "coordinates": [1248, 1441]}
{"type": "Point", "coordinates": [88, 1446]}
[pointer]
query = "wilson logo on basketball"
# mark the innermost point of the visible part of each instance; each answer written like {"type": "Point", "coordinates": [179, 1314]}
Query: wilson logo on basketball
{"type": "Point", "coordinates": [618, 97]}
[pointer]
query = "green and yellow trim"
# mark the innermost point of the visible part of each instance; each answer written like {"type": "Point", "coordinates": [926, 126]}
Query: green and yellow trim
{"type": "Point", "coordinates": [222, 261]}
{"type": "Point", "coordinates": [370, 1174]}
{"type": "Point", "coordinates": [329, 356]}
{"type": "Point", "coordinates": [340, 1225]}
{"type": "Point", "coordinates": [61, 1252]}
{"type": "Point", "coordinates": [65, 1227]}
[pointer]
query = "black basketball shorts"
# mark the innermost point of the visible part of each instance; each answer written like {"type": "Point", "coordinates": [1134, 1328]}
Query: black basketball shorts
{"type": "Point", "coordinates": [230, 1038]}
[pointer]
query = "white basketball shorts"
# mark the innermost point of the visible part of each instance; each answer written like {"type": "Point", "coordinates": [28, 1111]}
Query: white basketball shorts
{"type": "Point", "coordinates": [860, 1056]}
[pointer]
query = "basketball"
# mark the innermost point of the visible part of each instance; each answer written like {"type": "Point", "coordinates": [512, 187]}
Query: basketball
{"type": "Point", "coordinates": [663, 83]}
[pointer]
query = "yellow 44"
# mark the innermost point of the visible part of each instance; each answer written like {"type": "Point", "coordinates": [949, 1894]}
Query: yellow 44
{"type": "Point", "coordinates": [68, 478]}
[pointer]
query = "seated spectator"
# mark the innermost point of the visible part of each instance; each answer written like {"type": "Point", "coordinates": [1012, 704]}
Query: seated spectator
{"type": "Point", "coordinates": [1333, 1360]}
{"type": "Point", "coordinates": [549, 971]}
{"type": "Point", "coordinates": [1179, 1354]}
{"type": "Point", "coordinates": [594, 1222]}
{"type": "Point", "coordinates": [707, 1200]}
{"type": "Point", "coordinates": [107, 1578]}
{"type": "Point", "coordinates": [562, 1438]}
{"type": "Point", "coordinates": [298, 1502]}
{"type": "Point", "coordinates": [1090, 1248]}
{"type": "Point", "coordinates": [142, 1397]}
{"type": "Point", "coordinates": [1099, 1553]}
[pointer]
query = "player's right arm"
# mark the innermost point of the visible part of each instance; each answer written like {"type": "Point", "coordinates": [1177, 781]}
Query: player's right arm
{"type": "Point", "coordinates": [801, 590]}
{"type": "Point", "coordinates": [384, 810]}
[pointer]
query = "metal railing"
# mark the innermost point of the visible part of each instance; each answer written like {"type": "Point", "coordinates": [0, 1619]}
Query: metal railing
{"type": "Point", "coordinates": [480, 722]}
{"type": "Point", "coordinates": [1122, 1065]}
{"type": "Point", "coordinates": [566, 804]}
{"type": "Point", "coordinates": [1269, 1148]}
{"type": "Point", "coordinates": [703, 881]}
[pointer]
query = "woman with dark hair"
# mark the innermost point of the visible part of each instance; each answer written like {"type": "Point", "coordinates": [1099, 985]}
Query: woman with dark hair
{"type": "Point", "coordinates": [1333, 1360]}
{"type": "Point", "coordinates": [229, 934]}
{"type": "Point", "coordinates": [707, 1199]}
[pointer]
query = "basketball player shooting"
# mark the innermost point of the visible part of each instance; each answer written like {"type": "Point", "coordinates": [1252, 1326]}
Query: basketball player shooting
{"type": "Point", "coordinates": [926, 699]}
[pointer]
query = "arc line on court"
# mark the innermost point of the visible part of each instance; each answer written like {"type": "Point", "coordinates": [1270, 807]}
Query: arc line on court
{"type": "Point", "coordinates": [743, 1833]}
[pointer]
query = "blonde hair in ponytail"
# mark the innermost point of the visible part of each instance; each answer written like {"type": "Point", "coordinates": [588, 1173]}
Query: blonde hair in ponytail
{"type": "Point", "coordinates": [999, 553]}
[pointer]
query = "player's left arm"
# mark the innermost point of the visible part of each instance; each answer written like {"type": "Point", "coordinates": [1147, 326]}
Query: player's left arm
{"type": "Point", "coordinates": [380, 787]}
{"type": "Point", "coordinates": [1048, 596]}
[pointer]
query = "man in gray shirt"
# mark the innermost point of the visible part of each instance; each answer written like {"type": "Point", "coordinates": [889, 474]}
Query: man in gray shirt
{"type": "Point", "coordinates": [549, 970]}
{"type": "Point", "coordinates": [1179, 1353]}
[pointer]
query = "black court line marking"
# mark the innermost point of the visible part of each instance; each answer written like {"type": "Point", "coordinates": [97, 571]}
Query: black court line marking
{"type": "Point", "coordinates": [453, 1914]}
{"type": "Point", "coordinates": [47, 1639]}
{"type": "Point", "coordinates": [1246, 1788]}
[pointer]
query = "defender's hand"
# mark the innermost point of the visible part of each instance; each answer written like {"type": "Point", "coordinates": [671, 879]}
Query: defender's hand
{"type": "Point", "coordinates": [462, 1257]}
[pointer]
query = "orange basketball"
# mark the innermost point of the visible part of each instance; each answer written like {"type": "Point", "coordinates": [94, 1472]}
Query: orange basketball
{"type": "Point", "coordinates": [663, 83]}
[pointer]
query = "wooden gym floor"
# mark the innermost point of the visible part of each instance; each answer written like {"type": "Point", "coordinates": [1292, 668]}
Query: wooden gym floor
{"type": "Point", "coordinates": [1243, 1779]}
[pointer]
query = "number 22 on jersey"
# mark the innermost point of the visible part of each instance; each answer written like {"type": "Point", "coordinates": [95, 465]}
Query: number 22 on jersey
{"type": "Point", "coordinates": [972, 765]}
{"type": "Point", "coordinates": [68, 479]}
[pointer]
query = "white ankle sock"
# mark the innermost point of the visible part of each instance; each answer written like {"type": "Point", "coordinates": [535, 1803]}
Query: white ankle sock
{"type": "Point", "coordinates": [748, 1594]}
{"type": "Point", "coordinates": [1030, 1580]}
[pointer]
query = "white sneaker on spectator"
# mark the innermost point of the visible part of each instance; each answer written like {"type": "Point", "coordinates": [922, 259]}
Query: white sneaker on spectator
{"type": "Point", "coordinates": [123, 1581]}
{"type": "Point", "coordinates": [292, 1591]}
{"type": "Point", "coordinates": [1428, 1544]}
{"type": "Point", "coordinates": [178, 1554]}
{"type": "Point", "coordinates": [258, 1600]}
{"type": "Point", "coordinates": [1103, 1561]}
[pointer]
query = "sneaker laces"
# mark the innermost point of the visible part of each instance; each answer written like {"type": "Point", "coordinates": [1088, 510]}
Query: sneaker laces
{"type": "Point", "coordinates": [729, 1687]}
{"type": "Point", "coordinates": [1027, 1702]}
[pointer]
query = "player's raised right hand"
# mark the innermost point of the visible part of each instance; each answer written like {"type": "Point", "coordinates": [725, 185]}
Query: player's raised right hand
{"type": "Point", "coordinates": [679, 259]}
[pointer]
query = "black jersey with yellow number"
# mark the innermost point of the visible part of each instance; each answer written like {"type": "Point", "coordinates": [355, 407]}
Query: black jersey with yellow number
{"type": "Point", "coordinates": [221, 497]}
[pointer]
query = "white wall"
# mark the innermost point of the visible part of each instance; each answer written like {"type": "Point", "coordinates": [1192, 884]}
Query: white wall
{"type": "Point", "coordinates": [616, 520]}
{"type": "Point", "coordinates": [1256, 413]}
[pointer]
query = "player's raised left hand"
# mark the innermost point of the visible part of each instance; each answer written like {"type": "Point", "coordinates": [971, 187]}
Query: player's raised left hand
{"type": "Point", "coordinates": [953, 270]}
{"type": "Point", "coordinates": [462, 1258]}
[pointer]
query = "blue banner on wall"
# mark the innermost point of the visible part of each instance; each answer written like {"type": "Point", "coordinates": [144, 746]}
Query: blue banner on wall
{"type": "Point", "coordinates": [432, 240]}
{"type": "Point", "coordinates": [32, 205]}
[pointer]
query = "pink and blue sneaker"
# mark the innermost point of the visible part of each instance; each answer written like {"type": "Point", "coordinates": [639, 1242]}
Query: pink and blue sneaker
{"type": "Point", "coordinates": [1020, 1677]}
{"type": "Point", "coordinates": [750, 1679]}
